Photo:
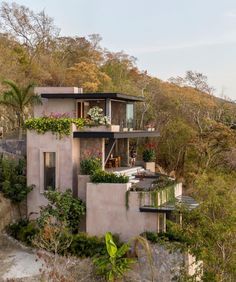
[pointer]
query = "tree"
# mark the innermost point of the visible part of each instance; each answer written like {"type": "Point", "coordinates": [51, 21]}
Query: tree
{"type": "Point", "coordinates": [193, 79]}
{"type": "Point", "coordinates": [33, 30]}
{"type": "Point", "coordinates": [211, 228]}
{"type": "Point", "coordinates": [19, 99]}
{"type": "Point", "coordinates": [88, 76]}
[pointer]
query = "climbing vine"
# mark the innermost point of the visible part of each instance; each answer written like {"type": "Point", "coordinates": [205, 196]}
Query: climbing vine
{"type": "Point", "coordinates": [59, 126]}
{"type": "Point", "coordinates": [127, 199]}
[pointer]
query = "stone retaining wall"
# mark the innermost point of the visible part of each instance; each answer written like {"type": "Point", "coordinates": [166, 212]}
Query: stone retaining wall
{"type": "Point", "coordinates": [9, 212]}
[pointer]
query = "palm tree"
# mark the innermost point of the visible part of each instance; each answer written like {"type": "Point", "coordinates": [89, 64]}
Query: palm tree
{"type": "Point", "coordinates": [20, 99]}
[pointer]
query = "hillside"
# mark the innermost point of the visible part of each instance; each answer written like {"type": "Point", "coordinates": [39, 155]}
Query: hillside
{"type": "Point", "coordinates": [197, 140]}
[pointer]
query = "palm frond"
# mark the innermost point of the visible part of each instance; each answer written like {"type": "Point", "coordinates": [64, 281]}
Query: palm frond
{"type": "Point", "coordinates": [15, 90]}
{"type": "Point", "coordinates": [33, 100]}
{"type": "Point", "coordinates": [27, 91]}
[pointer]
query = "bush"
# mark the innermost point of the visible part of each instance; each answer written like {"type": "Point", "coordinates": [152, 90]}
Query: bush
{"type": "Point", "coordinates": [85, 246]}
{"type": "Point", "coordinates": [23, 230]}
{"type": "Point", "coordinates": [90, 165]}
{"type": "Point", "coordinates": [108, 177]}
{"type": "Point", "coordinates": [170, 236]}
{"type": "Point", "coordinates": [64, 208]}
{"type": "Point", "coordinates": [27, 233]}
{"type": "Point", "coordinates": [149, 155]}
{"type": "Point", "coordinates": [13, 185]}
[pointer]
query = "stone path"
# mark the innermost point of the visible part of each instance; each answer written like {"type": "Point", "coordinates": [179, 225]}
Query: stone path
{"type": "Point", "coordinates": [17, 263]}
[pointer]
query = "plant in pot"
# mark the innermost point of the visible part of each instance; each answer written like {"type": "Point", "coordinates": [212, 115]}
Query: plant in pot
{"type": "Point", "coordinates": [91, 162]}
{"type": "Point", "coordinates": [149, 157]}
{"type": "Point", "coordinates": [97, 118]}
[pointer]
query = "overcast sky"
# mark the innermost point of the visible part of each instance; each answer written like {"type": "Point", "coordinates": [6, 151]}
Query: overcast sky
{"type": "Point", "coordinates": [167, 37]}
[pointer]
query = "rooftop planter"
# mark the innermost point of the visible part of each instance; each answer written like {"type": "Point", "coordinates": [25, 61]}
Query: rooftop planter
{"type": "Point", "coordinates": [58, 125]}
{"type": "Point", "coordinates": [162, 190]}
{"type": "Point", "coordinates": [149, 157]}
{"type": "Point", "coordinates": [108, 177]}
{"type": "Point", "coordinates": [100, 128]}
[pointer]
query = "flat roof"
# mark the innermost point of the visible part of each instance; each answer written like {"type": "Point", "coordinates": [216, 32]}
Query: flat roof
{"type": "Point", "coordinates": [92, 96]}
{"type": "Point", "coordinates": [115, 134]}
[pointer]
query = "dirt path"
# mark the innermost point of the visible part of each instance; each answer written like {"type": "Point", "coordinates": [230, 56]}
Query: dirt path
{"type": "Point", "coordinates": [17, 262]}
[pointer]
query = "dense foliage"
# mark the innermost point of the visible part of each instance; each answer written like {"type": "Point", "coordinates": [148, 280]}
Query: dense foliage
{"type": "Point", "coordinates": [23, 230]}
{"type": "Point", "coordinates": [90, 165]}
{"type": "Point", "coordinates": [114, 263]}
{"type": "Point", "coordinates": [149, 155]}
{"type": "Point", "coordinates": [210, 229]}
{"type": "Point", "coordinates": [101, 176]}
{"type": "Point", "coordinates": [13, 180]}
{"type": "Point", "coordinates": [63, 208]}
{"type": "Point", "coordinates": [59, 126]}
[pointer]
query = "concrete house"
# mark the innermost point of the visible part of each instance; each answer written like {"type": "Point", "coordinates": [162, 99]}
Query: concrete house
{"type": "Point", "coordinates": [55, 162]}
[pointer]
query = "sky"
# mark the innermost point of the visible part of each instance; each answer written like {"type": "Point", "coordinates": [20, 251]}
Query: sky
{"type": "Point", "coordinates": [168, 37]}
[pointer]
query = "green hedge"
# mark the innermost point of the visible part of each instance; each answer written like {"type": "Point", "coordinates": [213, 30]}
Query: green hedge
{"type": "Point", "coordinates": [108, 177]}
{"type": "Point", "coordinates": [23, 230]}
{"type": "Point", "coordinates": [60, 126]}
{"type": "Point", "coordinates": [87, 246]}
{"type": "Point", "coordinates": [169, 236]}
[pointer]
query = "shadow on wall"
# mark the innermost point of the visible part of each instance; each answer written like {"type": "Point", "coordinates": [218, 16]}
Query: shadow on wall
{"type": "Point", "coordinates": [9, 212]}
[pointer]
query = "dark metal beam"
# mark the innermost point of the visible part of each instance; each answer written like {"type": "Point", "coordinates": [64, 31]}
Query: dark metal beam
{"type": "Point", "coordinates": [115, 135]}
{"type": "Point", "coordinates": [109, 149]}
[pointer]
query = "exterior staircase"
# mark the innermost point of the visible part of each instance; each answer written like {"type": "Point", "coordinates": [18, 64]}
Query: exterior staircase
{"type": "Point", "coordinates": [130, 172]}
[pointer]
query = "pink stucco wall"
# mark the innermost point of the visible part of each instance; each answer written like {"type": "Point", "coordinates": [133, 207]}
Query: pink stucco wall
{"type": "Point", "coordinates": [36, 145]}
{"type": "Point", "coordinates": [107, 211]}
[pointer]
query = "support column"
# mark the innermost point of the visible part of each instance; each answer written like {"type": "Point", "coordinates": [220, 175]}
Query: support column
{"type": "Point", "coordinates": [123, 149]}
{"type": "Point", "coordinates": [108, 108]}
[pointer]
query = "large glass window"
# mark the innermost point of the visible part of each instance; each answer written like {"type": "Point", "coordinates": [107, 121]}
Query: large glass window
{"type": "Point", "coordinates": [49, 171]}
{"type": "Point", "coordinates": [130, 115]}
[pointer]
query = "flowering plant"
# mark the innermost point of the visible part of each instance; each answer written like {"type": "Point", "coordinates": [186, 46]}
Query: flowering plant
{"type": "Point", "coordinates": [57, 115]}
{"type": "Point", "coordinates": [97, 117]}
{"type": "Point", "coordinates": [149, 153]}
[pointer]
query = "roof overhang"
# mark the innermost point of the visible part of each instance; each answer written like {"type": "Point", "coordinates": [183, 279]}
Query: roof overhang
{"type": "Point", "coordinates": [92, 96]}
{"type": "Point", "coordinates": [115, 135]}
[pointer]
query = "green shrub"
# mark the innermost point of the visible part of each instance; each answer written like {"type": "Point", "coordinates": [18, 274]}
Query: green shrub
{"type": "Point", "coordinates": [63, 207]}
{"type": "Point", "coordinates": [90, 165]}
{"type": "Point", "coordinates": [23, 230]}
{"type": "Point", "coordinates": [108, 177]}
{"type": "Point", "coordinates": [14, 228]}
{"type": "Point", "coordinates": [13, 180]}
{"type": "Point", "coordinates": [60, 126]}
{"type": "Point", "coordinates": [87, 246]}
{"type": "Point", "coordinates": [170, 236]}
{"type": "Point", "coordinates": [27, 233]}
{"type": "Point", "coordinates": [149, 155]}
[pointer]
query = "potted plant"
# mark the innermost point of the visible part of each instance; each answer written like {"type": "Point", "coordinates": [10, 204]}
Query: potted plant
{"type": "Point", "coordinates": [149, 157]}
{"type": "Point", "coordinates": [97, 121]}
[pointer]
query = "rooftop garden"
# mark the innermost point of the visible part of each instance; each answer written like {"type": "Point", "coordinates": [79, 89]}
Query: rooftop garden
{"type": "Point", "coordinates": [61, 123]}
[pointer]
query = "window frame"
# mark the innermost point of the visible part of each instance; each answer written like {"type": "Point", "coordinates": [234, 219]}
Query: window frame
{"type": "Point", "coordinates": [42, 183]}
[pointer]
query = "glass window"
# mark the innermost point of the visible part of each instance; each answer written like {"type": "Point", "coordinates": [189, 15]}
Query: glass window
{"type": "Point", "coordinates": [130, 115]}
{"type": "Point", "coordinates": [49, 170]}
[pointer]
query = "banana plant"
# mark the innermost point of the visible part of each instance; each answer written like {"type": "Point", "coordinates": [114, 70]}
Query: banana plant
{"type": "Point", "coordinates": [114, 264]}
